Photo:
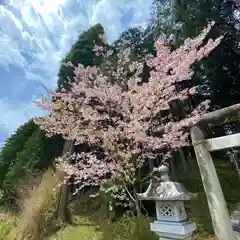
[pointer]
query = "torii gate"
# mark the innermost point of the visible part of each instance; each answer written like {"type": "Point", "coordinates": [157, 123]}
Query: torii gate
{"type": "Point", "coordinates": [216, 201]}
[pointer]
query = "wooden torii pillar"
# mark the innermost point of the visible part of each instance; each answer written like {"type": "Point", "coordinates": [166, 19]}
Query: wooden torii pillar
{"type": "Point", "coordinates": [217, 205]}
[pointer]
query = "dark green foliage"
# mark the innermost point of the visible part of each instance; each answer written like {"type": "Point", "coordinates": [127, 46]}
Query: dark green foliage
{"type": "Point", "coordinates": [221, 68]}
{"type": "Point", "coordinates": [81, 52]}
{"type": "Point", "coordinates": [38, 154]}
{"type": "Point", "coordinates": [218, 74]}
{"type": "Point", "coordinates": [128, 228]}
{"type": "Point", "coordinates": [198, 209]}
{"type": "Point", "coordinates": [13, 145]}
{"type": "Point", "coordinates": [163, 21]}
{"type": "Point", "coordinates": [137, 39]}
{"type": "Point", "coordinates": [141, 43]}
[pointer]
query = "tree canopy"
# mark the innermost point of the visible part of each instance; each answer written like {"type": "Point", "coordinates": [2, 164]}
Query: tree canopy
{"type": "Point", "coordinates": [81, 52]}
{"type": "Point", "coordinates": [37, 154]}
{"type": "Point", "coordinates": [121, 119]}
{"type": "Point", "coordinates": [13, 145]}
{"type": "Point", "coordinates": [218, 74]}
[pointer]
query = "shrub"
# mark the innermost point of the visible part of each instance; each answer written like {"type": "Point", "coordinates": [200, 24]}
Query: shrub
{"type": "Point", "coordinates": [128, 228]}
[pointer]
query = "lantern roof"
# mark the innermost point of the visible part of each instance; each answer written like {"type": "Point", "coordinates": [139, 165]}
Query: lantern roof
{"type": "Point", "coordinates": [162, 189]}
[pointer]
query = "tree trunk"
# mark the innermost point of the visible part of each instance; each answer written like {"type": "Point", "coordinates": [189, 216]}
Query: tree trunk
{"type": "Point", "coordinates": [63, 213]}
{"type": "Point", "coordinates": [172, 168]}
{"type": "Point", "coordinates": [234, 161]}
{"type": "Point", "coordinates": [137, 202]}
{"type": "Point", "coordinates": [183, 160]}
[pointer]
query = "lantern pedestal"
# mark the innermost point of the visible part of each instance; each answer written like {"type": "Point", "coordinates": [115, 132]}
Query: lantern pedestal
{"type": "Point", "coordinates": [173, 231]}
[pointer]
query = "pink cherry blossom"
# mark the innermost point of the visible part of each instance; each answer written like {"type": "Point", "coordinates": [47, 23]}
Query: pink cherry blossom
{"type": "Point", "coordinates": [119, 116]}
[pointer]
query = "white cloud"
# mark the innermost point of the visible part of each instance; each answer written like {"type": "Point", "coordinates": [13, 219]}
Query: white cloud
{"type": "Point", "coordinates": [13, 115]}
{"type": "Point", "coordinates": [36, 34]}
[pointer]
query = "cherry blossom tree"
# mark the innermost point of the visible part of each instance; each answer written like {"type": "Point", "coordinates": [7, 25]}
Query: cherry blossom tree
{"type": "Point", "coordinates": [119, 118]}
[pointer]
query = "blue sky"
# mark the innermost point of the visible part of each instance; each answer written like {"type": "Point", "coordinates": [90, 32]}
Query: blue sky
{"type": "Point", "coordinates": [36, 34]}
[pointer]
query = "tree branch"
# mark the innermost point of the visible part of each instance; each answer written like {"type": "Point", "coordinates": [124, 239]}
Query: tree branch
{"type": "Point", "coordinates": [223, 115]}
{"type": "Point", "coordinates": [128, 192]}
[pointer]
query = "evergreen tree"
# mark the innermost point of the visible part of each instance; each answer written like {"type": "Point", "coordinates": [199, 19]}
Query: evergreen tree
{"type": "Point", "coordinates": [81, 52]}
{"type": "Point", "coordinates": [137, 39]}
{"type": "Point", "coordinates": [13, 145]}
{"type": "Point", "coordinates": [219, 72]}
{"type": "Point", "coordinates": [37, 155]}
{"type": "Point", "coordinates": [164, 22]}
{"type": "Point", "coordinates": [218, 75]}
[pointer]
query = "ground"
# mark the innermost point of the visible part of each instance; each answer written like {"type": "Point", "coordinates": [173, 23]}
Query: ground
{"type": "Point", "coordinates": [84, 228]}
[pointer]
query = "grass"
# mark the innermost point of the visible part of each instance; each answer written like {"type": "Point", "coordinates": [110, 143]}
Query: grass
{"type": "Point", "coordinates": [89, 232]}
{"type": "Point", "coordinates": [5, 228]}
{"type": "Point", "coordinates": [78, 232]}
{"type": "Point", "coordinates": [7, 223]}
{"type": "Point", "coordinates": [38, 216]}
{"type": "Point", "coordinates": [85, 226]}
{"type": "Point", "coordinates": [84, 229]}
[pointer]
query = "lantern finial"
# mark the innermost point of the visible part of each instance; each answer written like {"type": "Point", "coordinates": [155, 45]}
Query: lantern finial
{"type": "Point", "coordinates": [164, 172]}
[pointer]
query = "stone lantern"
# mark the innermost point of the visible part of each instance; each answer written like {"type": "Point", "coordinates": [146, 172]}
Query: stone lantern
{"type": "Point", "coordinates": [169, 199]}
